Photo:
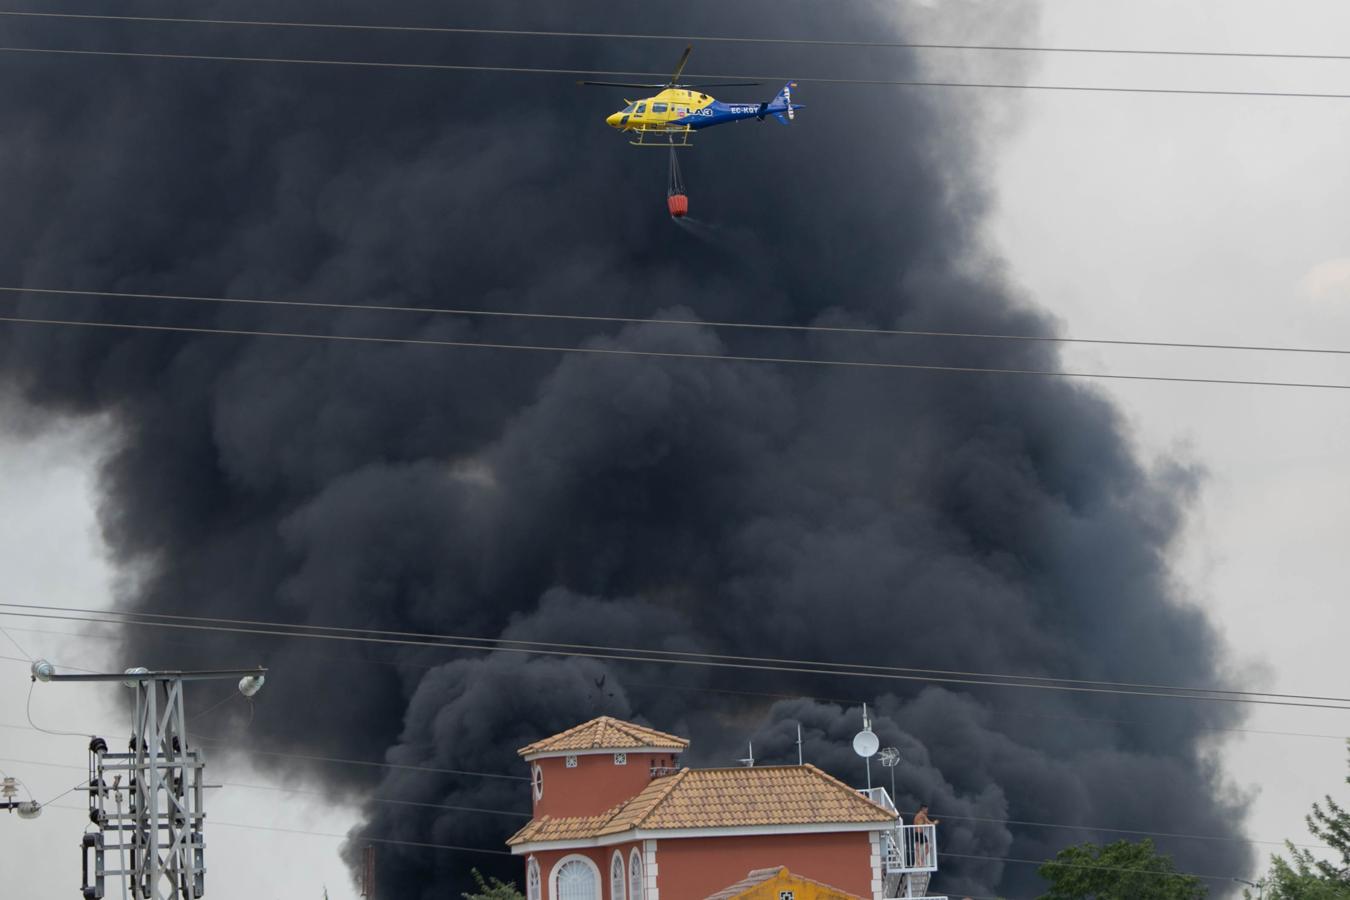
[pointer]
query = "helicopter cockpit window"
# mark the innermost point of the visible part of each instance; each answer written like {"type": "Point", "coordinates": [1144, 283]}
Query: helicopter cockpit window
{"type": "Point", "coordinates": [641, 108]}
{"type": "Point", "coordinates": [630, 107]}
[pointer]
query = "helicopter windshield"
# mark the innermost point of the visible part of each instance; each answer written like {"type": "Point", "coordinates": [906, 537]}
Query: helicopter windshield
{"type": "Point", "coordinates": [629, 108]}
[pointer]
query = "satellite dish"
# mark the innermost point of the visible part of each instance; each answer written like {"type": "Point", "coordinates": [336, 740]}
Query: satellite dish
{"type": "Point", "coordinates": [865, 743]}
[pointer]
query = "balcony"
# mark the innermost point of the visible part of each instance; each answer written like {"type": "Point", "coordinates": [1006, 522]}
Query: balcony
{"type": "Point", "coordinates": [908, 853]}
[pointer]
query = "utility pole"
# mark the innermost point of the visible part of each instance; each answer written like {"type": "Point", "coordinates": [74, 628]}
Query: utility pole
{"type": "Point", "coordinates": [158, 836]}
{"type": "Point", "coordinates": [368, 871]}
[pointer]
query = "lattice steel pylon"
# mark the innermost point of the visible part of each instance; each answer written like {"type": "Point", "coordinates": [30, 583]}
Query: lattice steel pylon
{"type": "Point", "coordinates": [146, 804]}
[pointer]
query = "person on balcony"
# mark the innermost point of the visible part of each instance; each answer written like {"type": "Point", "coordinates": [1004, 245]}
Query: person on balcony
{"type": "Point", "coordinates": [921, 835]}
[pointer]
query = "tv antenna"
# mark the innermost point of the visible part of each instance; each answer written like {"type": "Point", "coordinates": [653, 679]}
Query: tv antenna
{"type": "Point", "coordinates": [749, 761]}
{"type": "Point", "coordinates": [161, 827]}
{"type": "Point", "coordinates": [866, 744]}
{"type": "Point", "coordinates": [890, 758]}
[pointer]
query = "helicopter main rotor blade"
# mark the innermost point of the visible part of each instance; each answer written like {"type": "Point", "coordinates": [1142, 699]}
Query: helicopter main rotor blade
{"type": "Point", "coordinates": [724, 84]}
{"type": "Point", "coordinates": [684, 58]}
{"type": "Point", "coordinates": [617, 84]}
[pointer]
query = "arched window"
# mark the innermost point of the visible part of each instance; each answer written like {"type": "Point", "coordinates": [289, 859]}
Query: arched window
{"type": "Point", "coordinates": [635, 886]}
{"type": "Point", "coordinates": [616, 876]}
{"type": "Point", "coordinates": [576, 878]}
{"type": "Point", "coordinates": [533, 890]}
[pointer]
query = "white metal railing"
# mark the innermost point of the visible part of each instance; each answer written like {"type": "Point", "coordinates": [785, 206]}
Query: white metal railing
{"type": "Point", "coordinates": [878, 796]}
{"type": "Point", "coordinates": [910, 848]}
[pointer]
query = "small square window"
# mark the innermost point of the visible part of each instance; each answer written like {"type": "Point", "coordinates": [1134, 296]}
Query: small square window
{"type": "Point", "coordinates": [620, 759]}
{"type": "Point", "coordinates": [571, 761]}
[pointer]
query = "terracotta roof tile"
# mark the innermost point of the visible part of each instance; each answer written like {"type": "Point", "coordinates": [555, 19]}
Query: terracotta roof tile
{"type": "Point", "coordinates": [605, 733]}
{"type": "Point", "coordinates": [781, 874]}
{"type": "Point", "coordinates": [723, 798]}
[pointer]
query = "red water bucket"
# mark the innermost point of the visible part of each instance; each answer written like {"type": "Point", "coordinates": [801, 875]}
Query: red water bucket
{"type": "Point", "coordinates": [679, 205]}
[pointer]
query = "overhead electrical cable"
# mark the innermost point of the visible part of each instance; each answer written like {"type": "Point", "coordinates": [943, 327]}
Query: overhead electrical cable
{"type": "Point", "coordinates": [343, 837]}
{"type": "Point", "coordinates": [939, 813]}
{"type": "Point", "coordinates": [493, 643]}
{"type": "Point", "coordinates": [635, 320]}
{"type": "Point", "coordinates": [1041, 862]}
{"type": "Point", "coordinates": [670, 686]}
{"type": "Point", "coordinates": [608, 73]}
{"type": "Point", "coordinates": [304, 757]}
{"type": "Point", "coordinates": [636, 36]}
{"type": "Point", "coordinates": [663, 354]}
{"type": "Point", "coordinates": [706, 660]}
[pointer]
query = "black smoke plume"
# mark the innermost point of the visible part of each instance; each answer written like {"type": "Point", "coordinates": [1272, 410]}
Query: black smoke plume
{"type": "Point", "coordinates": [961, 522]}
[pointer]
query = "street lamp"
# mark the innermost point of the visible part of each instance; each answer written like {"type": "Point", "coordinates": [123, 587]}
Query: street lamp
{"type": "Point", "coordinates": [1259, 885]}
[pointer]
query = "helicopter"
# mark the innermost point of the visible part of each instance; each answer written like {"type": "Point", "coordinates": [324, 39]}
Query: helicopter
{"type": "Point", "coordinates": [670, 118]}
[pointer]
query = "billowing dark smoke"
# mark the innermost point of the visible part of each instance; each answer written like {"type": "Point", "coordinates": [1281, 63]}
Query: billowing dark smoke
{"type": "Point", "coordinates": [953, 521]}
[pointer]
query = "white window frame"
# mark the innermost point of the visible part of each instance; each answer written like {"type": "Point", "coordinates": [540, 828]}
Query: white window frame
{"type": "Point", "coordinates": [635, 871]}
{"type": "Point", "coordinates": [574, 857]}
{"type": "Point", "coordinates": [537, 781]}
{"type": "Point", "coordinates": [618, 886]}
{"type": "Point", "coordinates": [534, 881]}
{"type": "Point", "coordinates": [620, 759]}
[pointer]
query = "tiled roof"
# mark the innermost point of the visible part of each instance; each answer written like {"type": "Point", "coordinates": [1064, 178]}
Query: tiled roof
{"type": "Point", "coordinates": [605, 733]}
{"type": "Point", "coordinates": [760, 876]}
{"type": "Point", "coordinates": [721, 798]}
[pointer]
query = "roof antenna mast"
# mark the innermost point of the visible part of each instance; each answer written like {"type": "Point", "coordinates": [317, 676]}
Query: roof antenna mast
{"type": "Point", "coordinates": [800, 759]}
{"type": "Point", "coordinates": [866, 744]}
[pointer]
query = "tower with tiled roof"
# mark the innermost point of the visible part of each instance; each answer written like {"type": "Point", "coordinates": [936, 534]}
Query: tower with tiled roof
{"type": "Point", "coordinates": [590, 768]}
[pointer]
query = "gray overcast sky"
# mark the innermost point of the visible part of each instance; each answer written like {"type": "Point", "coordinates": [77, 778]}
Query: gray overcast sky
{"type": "Point", "coordinates": [1219, 220]}
{"type": "Point", "coordinates": [1178, 218]}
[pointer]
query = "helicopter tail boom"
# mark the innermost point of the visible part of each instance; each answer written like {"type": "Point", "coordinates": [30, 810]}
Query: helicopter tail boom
{"type": "Point", "coordinates": [781, 106]}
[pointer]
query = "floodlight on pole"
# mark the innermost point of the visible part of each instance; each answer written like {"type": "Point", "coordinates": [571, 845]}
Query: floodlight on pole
{"type": "Point", "coordinates": [159, 824]}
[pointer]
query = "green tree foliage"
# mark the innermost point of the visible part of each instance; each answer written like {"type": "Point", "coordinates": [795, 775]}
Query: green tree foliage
{"type": "Point", "coordinates": [1309, 877]}
{"type": "Point", "coordinates": [493, 889]}
{"type": "Point", "coordinates": [1121, 871]}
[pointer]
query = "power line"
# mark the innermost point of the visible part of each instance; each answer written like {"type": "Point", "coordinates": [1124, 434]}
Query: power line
{"type": "Point", "coordinates": [634, 320]}
{"type": "Point", "coordinates": [1091, 868]}
{"type": "Point", "coordinates": [669, 686]}
{"type": "Point", "coordinates": [1037, 862]}
{"type": "Point", "coordinates": [703, 38]}
{"type": "Point", "coordinates": [398, 663]}
{"type": "Point", "coordinates": [604, 73]}
{"type": "Point", "coordinates": [710, 660]}
{"type": "Point", "coordinates": [304, 757]}
{"type": "Point", "coordinates": [328, 834]}
{"type": "Point", "coordinates": [664, 354]}
{"type": "Point", "coordinates": [492, 643]}
{"type": "Point", "coordinates": [943, 815]}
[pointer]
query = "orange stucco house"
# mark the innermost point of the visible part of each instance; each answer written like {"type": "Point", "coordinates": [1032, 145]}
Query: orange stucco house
{"type": "Point", "coordinates": [616, 818]}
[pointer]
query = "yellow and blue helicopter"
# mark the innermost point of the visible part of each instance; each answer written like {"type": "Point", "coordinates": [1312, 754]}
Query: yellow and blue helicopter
{"type": "Point", "coordinates": [670, 118]}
